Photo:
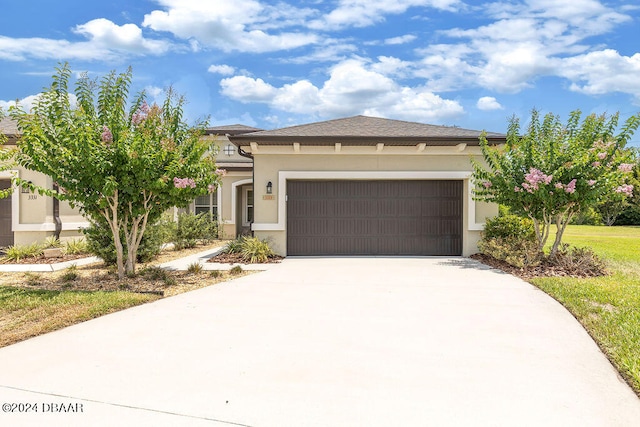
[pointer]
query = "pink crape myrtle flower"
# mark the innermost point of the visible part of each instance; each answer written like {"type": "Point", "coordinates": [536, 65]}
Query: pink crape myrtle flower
{"type": "Point", "coordinates": [211, 188]}
{"type": "Point", "coordinates": [602, 155]}
{"type": "Point", "coordinates": [626, 189]}
{"type": "Point", "coordinates": [534, 178]}
{"type": "Point", "coordinates": [221, 172]}
{"type": "Point", "coordinates": [517, 189]}
{"type": "Point", "coordinates": [591, 182]}
{"type": "Point", "coordinates": [184, 182]}
{"type": "Point", "coordinates": [141, 114]}
{"type": "Point", "coordinates": [107, 136]}
{"type": "Point", "coordinates": [487, 184]}
{"type": "Point", "coordinates": [595, 164]}
{"type": "Point", "coordinates": [570, 187]}
{"type": "Point", "coordinates": [559, 185]}
{"type": "Point", "coordinates": [626, 167]}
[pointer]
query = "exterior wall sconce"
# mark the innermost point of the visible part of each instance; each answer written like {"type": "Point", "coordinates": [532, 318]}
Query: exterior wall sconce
{"type": "Point", "coordinates": [229, 149]}
{"type": "Point", "coordinates": [269, 187]}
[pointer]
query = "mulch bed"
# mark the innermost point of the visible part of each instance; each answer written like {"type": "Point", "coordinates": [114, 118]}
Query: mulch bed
{"type": "Point", "coordinates": [237, 259]}
{"type": "Point", "coordinates": [545, 269]}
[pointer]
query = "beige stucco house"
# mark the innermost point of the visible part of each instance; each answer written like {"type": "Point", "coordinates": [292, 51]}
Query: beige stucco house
{"type": "Point", "coordinates": [353, 186]}
{"type": "Point", "coordinates": [366, 186]}
{"type": "Point", "coordinates": [27, 217]}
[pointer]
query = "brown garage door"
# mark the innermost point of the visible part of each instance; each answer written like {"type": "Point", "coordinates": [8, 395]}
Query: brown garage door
{"type": "Point", "coordinates": [6, 235]}
{"type": "Point", "coordinates": [374, 217]}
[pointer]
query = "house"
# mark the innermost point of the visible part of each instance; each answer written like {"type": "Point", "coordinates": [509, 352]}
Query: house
{"type": "Point", "coordinates": [366, 186]}
{"type": "Point", "coordinates": [353, 186]}
{"type": "Point", "coordinates": [27, 217]}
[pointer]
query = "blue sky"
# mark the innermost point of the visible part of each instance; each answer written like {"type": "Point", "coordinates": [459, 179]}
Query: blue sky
{"type": "Point", "coordinates": [272, 64]}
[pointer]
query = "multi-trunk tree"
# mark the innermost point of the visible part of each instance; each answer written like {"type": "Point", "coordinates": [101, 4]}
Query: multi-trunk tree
{"type": "Point", "coordinates": [553, 171]}
{"type": "Point", "coordinates": [123, 165]}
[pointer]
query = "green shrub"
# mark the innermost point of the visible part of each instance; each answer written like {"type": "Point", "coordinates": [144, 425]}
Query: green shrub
{"type": "Point", "coordinates": [579, 261]}
{"type": "Point", "coordinates": [509, 226]}
{"type": "Point", "coordinates": [52, 242]}
{"type": "Point", "coordinates": [255, 250]}
{"type": "Point", "coordinates": [520, 253]}
{"type": "Point", "coordinates": [512, 239]}
{"type": "Point", "coordinates": [17, 252]}
{"type": "Point", "coordinates": [100, 242]}
{"type": "Point", "coordinates": [587, 217]}
{"type": "Point", "coordinates": [215, 274]}
{"type": "Point", "coordinates": [191, 229]}
{"type": "Point", "coordinates": [76, 247]}
{"type": "Point", "coordinates": [154, 273]}
{"type": "Point", "coordinates": [70, 274]}
{"type": "Point", "coordinates": [194, 268]}
{"type": "Point", "coordinates": [233, 247]}
{"type": "Point", "coordinates": [235, 270]}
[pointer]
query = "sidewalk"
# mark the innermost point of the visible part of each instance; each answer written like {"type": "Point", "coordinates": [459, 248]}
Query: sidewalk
{"type": "Point", "coordinates": [177, 264]}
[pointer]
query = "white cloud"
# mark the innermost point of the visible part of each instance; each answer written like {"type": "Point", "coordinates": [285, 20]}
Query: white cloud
{"type": "Point", "coordinates": [128, 37]}
{"type": "Point", "coordinates": [240, 25]}
{"type": "Point", "coordinates": [352, 88]}
{"type": "Point", "coordinates": [362, 13]}
{"type": "Point", "coordinates": [408, 38]}
{"type": "Point", "coordinates": [28, 102]}
{"type": "Point", "coordinates": [601, 72]}
{"type": "Point", "coordinates": [225, 70]}
{"type": "Point", "coordinates": [106, 41]}
{"type": "Point", "coordinates": [488, 103]}
{"type": "Point", "coordinates": [528, 40]}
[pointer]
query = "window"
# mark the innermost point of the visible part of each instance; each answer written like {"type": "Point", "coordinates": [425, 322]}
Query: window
{"type": "Point", "coordinates": [248, 210]}
{"type": "Point", "coordinates": [207, 204]}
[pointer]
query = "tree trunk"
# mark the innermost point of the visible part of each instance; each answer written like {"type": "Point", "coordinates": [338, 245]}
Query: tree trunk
{"type": "Point", "coordinates": [560, 226]}
{"type": "Point", "coordinates": [114, 224]}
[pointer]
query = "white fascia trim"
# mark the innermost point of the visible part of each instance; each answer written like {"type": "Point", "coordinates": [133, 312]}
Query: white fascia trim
{"type": "Point", "coordinates": [234, 192]}
{"type": "Point", "coordinates": [283, 176]}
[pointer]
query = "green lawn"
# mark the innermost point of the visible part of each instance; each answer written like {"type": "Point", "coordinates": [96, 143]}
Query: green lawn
{"type": "Point", "coordinates": [26, 313]}
{"type": "Point", "coordinates": [608, 307]}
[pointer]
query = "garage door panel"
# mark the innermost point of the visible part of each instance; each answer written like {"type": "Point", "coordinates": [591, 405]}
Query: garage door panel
{"type": "Point", "coordinates": [374, 217]}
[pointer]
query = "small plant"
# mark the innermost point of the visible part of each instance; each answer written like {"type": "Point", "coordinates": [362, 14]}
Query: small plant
{"type": "Point", "coordinates": [194, 268]}
{"type": "Point", "coordinates": [52, 242]}
{"type": "Point", "coordinates": [582, 262]}
{"type": "Point", "coordinates": [234, 246]}
{"type": "Point", "coordinates": [255, 250]}
{"type": "Point", "coordinates": [17, 252]}
{"type": "Point", "coordinates": [33, 279]}
{"type": "Point", "coordinates": [76, 247]}
{"type": "Point", "coordinates": [512, 239]}
{"type": "Point", "coordinates": [170, 281]}
{"type": "Point", "coordinates": [235, 270]}
{"type": "Point", "coordinates": [215, 274]}
{"type": "Point", "coordinates": [191, 229]}
{"type": "Point", "coordinates": [70, 274]}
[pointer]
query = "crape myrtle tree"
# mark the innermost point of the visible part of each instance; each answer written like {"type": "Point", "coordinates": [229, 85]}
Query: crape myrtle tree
{"type": "Point", "coordinates": [123, 166]}
{"type": "Point", "coordinates": [553, 170]}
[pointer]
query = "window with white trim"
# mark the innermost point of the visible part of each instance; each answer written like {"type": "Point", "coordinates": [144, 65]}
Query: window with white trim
{"type": "Point", "coordinates": [207, 204]}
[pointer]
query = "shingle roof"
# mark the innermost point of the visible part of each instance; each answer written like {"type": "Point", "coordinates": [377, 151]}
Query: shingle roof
{"type": "Point", "coordinates": [8, 126]}
{"type": "Point", "coordinates": [236, 129]}
{"type": "Point", "coordinates": [364, 128]}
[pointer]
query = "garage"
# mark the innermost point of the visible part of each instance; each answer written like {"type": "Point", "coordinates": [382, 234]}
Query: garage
{"type": "Point", "coordinates": [374, 217]}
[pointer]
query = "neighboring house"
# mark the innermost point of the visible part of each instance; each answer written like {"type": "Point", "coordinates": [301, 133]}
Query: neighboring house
{"type": "Point", "coordinates": [366, 186]}
{"type": "Point", "coordinates": [27, 217]}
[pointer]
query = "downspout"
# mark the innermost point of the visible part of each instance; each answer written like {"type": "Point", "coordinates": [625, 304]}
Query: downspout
{"type": "Point", "coordinates": [56, 213]}
{"type": "Point", "coordinates": [253, 180]}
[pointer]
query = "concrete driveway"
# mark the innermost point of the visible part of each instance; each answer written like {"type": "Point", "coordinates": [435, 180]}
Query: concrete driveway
{"type": "Point", "coordinates": [325, 342]}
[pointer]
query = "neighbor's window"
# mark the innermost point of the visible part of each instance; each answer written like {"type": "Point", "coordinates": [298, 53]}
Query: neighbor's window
{"type": "Point", "coordinates": [207, 204]}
